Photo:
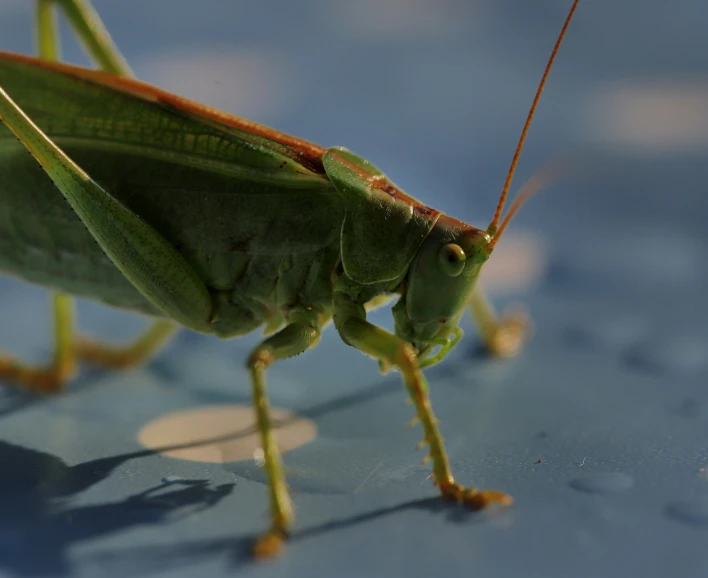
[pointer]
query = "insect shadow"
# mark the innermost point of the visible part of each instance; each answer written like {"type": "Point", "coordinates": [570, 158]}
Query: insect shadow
{"type": "Point", "coordinates": [37, 527]}
{"type": "Point", "coordinates": [151, 558]}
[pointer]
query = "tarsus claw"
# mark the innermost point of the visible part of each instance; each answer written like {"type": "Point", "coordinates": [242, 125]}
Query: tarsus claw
{"type": "Point", "coordinates": [269, 544]}
{"type": "Point", "coordinates": [475, 499]}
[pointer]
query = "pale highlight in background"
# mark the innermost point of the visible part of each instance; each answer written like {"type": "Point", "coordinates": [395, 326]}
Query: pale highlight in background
{"type": "Point", "coordinates": [221, 434]}
{"type": "Point", "coordinates": [248, 83]}
{"type": "Point", "coordinates": [653, 116]}
{"type": "Point", "coordinates": [19, 6]}
{"type": "Point", "coordinates": [518, 263]}
{"type": "Point", "coordinates": [406, 18]}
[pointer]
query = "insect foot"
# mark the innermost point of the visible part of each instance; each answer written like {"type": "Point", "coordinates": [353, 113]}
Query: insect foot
{"type": "Point", "coordinates": [269, 544]}
{"type": "Point", "coordinates": [473, 498]}
{"type": "Point", "coordinates": [507, 337]}
{"type": "Point", "coordinates": [38, 380]}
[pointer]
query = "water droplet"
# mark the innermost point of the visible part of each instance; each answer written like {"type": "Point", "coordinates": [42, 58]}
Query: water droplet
{"type": "Point", "coordinates": [691, 408]}
{"type": "Point", "coordinates": [601, 332]}
{"type": "Point", "coordinates": [601, 482]}
{"type": "Point", "coordinates": [691, 512]}
{"type": "Point", "coordinates": [685, 354]}
{"type": "Point", "coordinates": [259, 457]}
{"type": "Point", "coordinates": [173, 480]}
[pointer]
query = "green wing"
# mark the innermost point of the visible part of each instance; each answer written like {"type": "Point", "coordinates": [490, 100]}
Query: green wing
{"type": "Point", "coordinates": [79, 110]}
{"type": "Point", "coordinates": [218, 188]}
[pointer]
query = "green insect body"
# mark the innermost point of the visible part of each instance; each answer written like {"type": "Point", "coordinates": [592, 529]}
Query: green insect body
{"type": "Point", "coordinates": [265, 247]}
{"type": "Point", "coordinates": [154, 204]}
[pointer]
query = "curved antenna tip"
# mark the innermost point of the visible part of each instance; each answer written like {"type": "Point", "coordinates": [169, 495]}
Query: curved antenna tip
{"type": "Point", "coordinates": [549, 173]}
{"type": "Point", "coordinates": [494, 225]}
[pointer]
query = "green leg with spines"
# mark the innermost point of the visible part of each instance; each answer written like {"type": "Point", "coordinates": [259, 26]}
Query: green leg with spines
{"type": "Point", "coordinates": [393, 351]}
{"type": "Point", "coordinates": [290, 341]}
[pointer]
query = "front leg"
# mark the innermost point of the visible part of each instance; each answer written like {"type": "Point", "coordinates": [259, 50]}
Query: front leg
{"type": "Point", "coordinates": [288, 342]}
{"type": "Point", "coordinates": [502, 336]}
{"type": "Point", "coordinates": [391, 350]}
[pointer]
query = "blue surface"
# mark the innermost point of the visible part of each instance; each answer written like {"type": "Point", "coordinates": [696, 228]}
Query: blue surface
{"type": "Point", "coordinates": [598, 429]}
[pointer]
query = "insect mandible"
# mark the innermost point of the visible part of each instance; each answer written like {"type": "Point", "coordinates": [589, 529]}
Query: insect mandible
{"type": "Point", "coordinates": [152, 203]}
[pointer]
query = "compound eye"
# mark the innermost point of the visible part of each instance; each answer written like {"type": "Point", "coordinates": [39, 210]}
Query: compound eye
{"type": "Point", "coordinates": [451, 260]}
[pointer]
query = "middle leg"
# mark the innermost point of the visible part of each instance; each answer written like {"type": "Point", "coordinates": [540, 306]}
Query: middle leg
{"type": "Point", "coordinates": [288, 342]}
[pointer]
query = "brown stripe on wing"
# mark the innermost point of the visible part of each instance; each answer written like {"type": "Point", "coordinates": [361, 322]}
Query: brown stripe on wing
{"type": "Point", "coordinates": [301, 151]}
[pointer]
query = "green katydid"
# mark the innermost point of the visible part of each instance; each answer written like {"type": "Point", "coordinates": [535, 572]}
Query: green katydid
{"type": "Point", "coordinates": [180, 212]}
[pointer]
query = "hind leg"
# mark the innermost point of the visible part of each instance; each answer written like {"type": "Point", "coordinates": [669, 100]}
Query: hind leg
{"type": "Point", "coordinates": [68, 350]}
{"type": "Point", "coordinates": [291, 340]}
{"type": "Point", "coordinates": [155, 337]}
{"type": "Point", "coordinates": [63, 365]}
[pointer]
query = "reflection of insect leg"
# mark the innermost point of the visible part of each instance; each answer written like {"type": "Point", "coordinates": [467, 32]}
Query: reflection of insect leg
{"type": "Point", "coordinates": [502, 336]}
{"type": "Point", "coordinates": [290, 341]}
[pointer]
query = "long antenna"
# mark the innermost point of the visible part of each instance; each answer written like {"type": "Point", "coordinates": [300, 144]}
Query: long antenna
{"type": "Point", "coordinates": [545, 176]}
{"type": "Point", "coordinates": [492, 229]}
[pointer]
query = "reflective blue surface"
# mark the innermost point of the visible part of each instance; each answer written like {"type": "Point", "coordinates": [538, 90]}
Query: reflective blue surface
{"type": "Point", "coordinates": [598, 429]}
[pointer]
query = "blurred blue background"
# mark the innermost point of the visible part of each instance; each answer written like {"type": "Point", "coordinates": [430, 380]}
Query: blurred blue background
{"type": "Point", "coordinates": [599, 429]}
